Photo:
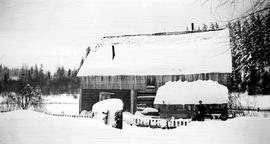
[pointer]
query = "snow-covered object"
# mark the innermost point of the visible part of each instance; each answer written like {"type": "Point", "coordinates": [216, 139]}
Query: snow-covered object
{"type": "Point", "coordinates": [210, 92]}
{"type": "Point", "coordinates": [86, 113]}
{"type": "Point", "coordinates": [149, 110]}
{"type": "Point", "coordinates": [160, 55]}
{"type": "Point", "coordinates": [108, 108]}
{"type": "Point", "coordinates": [139, 114]}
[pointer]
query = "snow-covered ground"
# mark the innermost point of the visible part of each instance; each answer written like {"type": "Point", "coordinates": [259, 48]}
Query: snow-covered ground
{"type": "Point", "coordinates": [62, 98]}
{"type": "Point", "coordinates": [63, 103]}
{"type": "Point", "coordinates": [254, 101]}
{"type": "Point", "coordinates": [28, 127]}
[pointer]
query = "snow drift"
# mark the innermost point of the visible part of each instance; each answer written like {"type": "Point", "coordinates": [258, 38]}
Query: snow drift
{"type": "Point", "coordinates": [210, 92]}
{"type": "Point", "coordinates": [251, 101]}
{"type": "Point", "coordinates": [107, 108]}
{"type": "Point", "coordinates": [27, 127]}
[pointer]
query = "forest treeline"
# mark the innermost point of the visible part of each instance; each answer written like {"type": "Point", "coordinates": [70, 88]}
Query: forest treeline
{"type": "Point", "coordinates": [250, 45]}
{"type": "Point", "coordinates": [61, 81]}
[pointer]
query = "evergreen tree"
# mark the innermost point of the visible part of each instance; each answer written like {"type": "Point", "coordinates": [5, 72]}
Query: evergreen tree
{"type": "Point", "coordinates": [204, 27]}
{"type": "Point", "coordinates": [212, 26]}
{"type": "Point", "coordinates": [234, 31]}
{"type": "Point", "coordinates": [250, 52]}
{"type": "Point", "coordinates": [265, 57]}
{"type": "Point", "coordinates": [187, 28]}
{"type": "Point", "coordinates": [216, 26]}
{"type": "Point", "coordinates": [61, 81]}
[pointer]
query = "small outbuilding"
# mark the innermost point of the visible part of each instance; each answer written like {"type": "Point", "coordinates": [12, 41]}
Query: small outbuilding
{"type": "Point", "coordinates": [179, 99]}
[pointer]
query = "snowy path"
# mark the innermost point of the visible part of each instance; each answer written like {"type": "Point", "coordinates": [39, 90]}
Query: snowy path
{"type": "Point", "coordinates": [28, 127]}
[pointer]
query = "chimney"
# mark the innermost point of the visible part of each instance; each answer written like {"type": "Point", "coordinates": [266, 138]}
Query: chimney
{"type": "Point", "coordinates": [192, 26]}
{"type": "Point", "coordinates": [113, 52]}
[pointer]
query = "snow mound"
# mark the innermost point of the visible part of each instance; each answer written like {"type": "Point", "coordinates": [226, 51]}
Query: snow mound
{"type": "Point", "coordinates": [27, 127]}
{"type": "Point", "coordinates": [24, 113]}
{"type": "Point", "coordinates": [210, 92]}
{"type": "Point", "coordinates": [107, 107]}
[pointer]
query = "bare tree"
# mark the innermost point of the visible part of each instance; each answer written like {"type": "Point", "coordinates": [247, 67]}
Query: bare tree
{"type": "Point", "coordinates": [256, 6]}
{"type": "Point", "coordinates": [28, 97]}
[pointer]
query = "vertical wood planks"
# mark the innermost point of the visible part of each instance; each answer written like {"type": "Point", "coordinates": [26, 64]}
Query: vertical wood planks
{"type": "Point", "coordinates": [140, 82]}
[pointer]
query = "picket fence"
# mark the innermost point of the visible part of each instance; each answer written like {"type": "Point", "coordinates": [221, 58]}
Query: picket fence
{"type": "Point", "coordinates": [156, 122]}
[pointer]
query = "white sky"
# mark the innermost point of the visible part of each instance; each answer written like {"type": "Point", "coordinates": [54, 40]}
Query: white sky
{"type": "Point", "coordinates": [56, 32]}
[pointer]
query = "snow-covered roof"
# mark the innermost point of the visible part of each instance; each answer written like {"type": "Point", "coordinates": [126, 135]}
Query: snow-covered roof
{"type": "Point", "coordinates": [108, 104]}
{"type": "Point", "coordinates": [209, 92]}
{"type": "Point", "coordinates": [191, 53]}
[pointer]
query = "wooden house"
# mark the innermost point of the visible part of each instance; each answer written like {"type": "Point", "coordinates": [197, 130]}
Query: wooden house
{"type": "Point", "coordinates": [132, 67]}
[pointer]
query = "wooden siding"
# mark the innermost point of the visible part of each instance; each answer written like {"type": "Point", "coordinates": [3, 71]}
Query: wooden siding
{"type": "Point", "coordinates": [187, 110]}
{"type": "Point", "coordinates": [176, 111]}
{"type": "Point", "coordinates": [145, 98]}
{"type": "Point", "coordinates": [90, 96]}
{"type": "Point", "coordinates": [140, 82]}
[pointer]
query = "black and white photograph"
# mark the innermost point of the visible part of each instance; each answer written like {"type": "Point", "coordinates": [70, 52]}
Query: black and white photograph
{"type": "Point", "coordinates": [134, 71]}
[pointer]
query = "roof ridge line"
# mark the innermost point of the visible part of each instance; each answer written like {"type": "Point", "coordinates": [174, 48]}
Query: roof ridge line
{"type": "Point", "coordinates": [161, 33]}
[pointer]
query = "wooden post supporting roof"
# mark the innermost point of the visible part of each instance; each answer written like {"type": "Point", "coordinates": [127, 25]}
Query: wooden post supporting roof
{"type": "Point", "coordinates": [133, 101]}
{"type": "Point", "coordinates": [80, 101]}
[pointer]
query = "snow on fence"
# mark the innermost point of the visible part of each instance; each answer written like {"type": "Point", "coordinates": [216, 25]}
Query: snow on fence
{"type": "Point", "coordinates": [69, 115]}
{"type": "Point", "coordinates": [65, 115]}
{"type": "Point", "coordinates": [155, 122]}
